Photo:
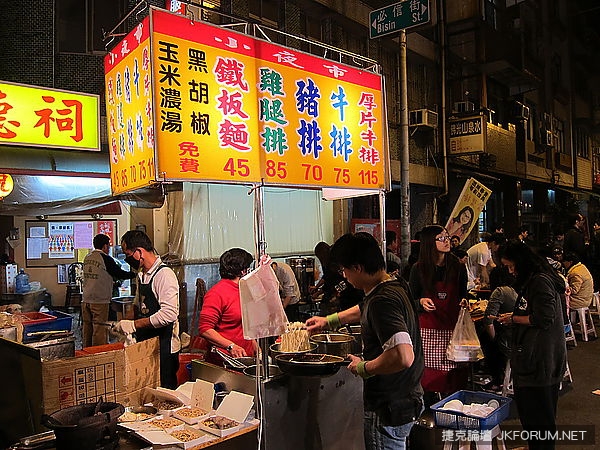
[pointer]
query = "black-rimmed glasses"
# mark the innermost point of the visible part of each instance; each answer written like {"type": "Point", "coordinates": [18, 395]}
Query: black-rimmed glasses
{"type": "Point", "coordinates": [442, 238]}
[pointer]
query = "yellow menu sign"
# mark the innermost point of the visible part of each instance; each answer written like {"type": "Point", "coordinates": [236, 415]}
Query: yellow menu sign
{"type": "Point", "coordinates": [42, 117]}
{"type": "Point", "coordinates": [129, 111]}
{"type": "Point", "coordinates": [230, 108]}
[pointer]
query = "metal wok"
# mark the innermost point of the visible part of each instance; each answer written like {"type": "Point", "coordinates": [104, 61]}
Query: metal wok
{"type": "Point", "coordinates": [310, 364]}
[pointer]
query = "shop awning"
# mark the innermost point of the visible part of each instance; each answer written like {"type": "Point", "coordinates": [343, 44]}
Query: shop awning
{"type": "Point", "coordinates": [35, 195]}
{"type": "Point", "coordinates": [42, 161]}
{"type": "Point", "coordinates": [53, 182]}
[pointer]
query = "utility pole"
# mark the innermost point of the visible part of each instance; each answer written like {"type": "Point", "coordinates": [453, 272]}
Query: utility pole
{"type": "Point", "coordinates": [404, 157]}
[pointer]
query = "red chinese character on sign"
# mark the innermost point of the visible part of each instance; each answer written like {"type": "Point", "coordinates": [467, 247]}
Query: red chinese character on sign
{"type": "Point", "coordinates": [5, 131]}
{"type": "Point", "coordinates": [189, 165]}
{"type": "Point", "coordinates": [70, 118]}
{"type": "Point", "coordinates": [189, 148]}
{"type": "Point", "coordinates": [369, 155]}
{"type": "Point", "coordinates": [368, 118]}
{"type": "Point", "coordinates": [234, 135]}
{"type": "Point", "coordinates": [367, 100]}
{"type": "Point", "coordinates": [5, 187]}
{"type": "Point", "coordinates": [231, 104]}
{"type": "Point", "coordinates": [231, 73]}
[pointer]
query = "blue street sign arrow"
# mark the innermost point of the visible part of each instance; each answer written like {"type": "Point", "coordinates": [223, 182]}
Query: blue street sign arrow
{"type": "Point", "coordinates": [398, 16]}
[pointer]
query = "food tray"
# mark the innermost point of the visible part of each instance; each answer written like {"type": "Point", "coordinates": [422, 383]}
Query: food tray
{"type": "Point", "coordinates": [60, 322]}
{"type": "Point", "coordinates": [34, 318]}
{"type": "Point", "coordinates": [456, 420]}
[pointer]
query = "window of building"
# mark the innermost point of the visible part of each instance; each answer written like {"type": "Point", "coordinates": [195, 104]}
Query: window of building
{"type": "Point", "coordinates": [559, 136]}
{"type": "Point", "coordinates": [490, 13]}
{"type": "Point", "coordinates": [80, 25]}
{"type": "Point", "coordinates": [596, 159]}
{"type": "Point", "coordinates": [582, 143]}
{"type": "Point", "coordinates": [267, 11]}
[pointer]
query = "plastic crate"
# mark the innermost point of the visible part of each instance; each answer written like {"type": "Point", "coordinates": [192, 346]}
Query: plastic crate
{"type": "Point", "coordinates": [459, 421]}
{"type": "Point", "coordinates": [32, 318]}
{"type": "Point", "coordinates": [61, 322]}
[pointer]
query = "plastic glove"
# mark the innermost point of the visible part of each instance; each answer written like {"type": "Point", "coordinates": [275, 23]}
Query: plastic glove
{"type": "Point", "coordinates": [129, 340]}
{"type": "Point", "coordinates": [125, 327]}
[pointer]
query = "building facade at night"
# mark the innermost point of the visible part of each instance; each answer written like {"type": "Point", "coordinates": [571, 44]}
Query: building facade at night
{"type": "Point", "coordinates": [525, 72]}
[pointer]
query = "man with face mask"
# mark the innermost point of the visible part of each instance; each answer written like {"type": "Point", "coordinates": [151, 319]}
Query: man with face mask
{"type": "Point", "coordinates": [158, 301]}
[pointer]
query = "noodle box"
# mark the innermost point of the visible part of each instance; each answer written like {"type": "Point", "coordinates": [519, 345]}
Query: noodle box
{"type": "Point", "coordinates": [235, 406]}
{"type": "Point", "coordinates": [184, 437]}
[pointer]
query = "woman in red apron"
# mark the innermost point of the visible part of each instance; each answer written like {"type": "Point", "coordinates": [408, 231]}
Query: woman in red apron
{"type": "Point", "coordinates": [438, 281]}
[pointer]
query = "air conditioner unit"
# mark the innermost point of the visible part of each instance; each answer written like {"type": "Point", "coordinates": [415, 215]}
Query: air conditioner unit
{"type": "Point", "coordinates": [423, 117]}
{"type": "Point", "coordinates": [546, 138]}
{"type": "Point", "coordinates": [521, 111]}
{"type": "Point", "coordinates": [464, 107]}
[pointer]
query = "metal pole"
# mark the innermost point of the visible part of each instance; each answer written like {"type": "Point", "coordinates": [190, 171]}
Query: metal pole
{"type": "Point", "coordinates": [262, 362]}
{"type": "Point", "coordinates": [382, 220]}
{"type": "Point", "coordinates": [404, 157]}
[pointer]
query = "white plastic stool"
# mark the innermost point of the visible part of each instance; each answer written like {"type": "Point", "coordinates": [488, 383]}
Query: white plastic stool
{"type": "Point", "coordinates": [507, 388]}
{"type": "Point", "coordinates": [595, 306]}
{"type": "Point", "coordinates": [482, 445]}
{"type": "Point", "coordinates": [570, 334]}
{"type": "Point", "coordinates": [587, 327]}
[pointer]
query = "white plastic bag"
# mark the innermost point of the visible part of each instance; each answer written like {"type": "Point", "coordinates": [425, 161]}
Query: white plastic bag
{"type": "Point", "coordinates": [464, 345]}
{"type": "Point", "coordinates": [262, 311]}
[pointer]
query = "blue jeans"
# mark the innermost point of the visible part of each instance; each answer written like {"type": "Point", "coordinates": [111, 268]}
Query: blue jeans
{"type": "Point", "coordinates": [384, 437]}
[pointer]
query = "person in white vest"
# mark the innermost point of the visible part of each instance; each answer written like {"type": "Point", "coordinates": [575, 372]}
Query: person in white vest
{"type": "Point", "coordinates": [99, 272]}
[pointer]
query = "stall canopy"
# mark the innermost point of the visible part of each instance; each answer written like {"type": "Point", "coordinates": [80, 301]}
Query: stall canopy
{"type": "Point", "coordinates": [56, 182]}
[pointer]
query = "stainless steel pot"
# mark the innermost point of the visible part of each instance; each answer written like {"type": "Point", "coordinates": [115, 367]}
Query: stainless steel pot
{"type": "Point", "coordinates": [354, 331]}
{"type": "Point", "coordinates": [338, 344]}
{"type": "Point", "coordinates": [273, 371]}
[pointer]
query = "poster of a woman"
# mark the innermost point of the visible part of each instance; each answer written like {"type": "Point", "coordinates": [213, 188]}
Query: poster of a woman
{"type": "Point", "coordinates": [469, 205]}
{"type": "Point", "coordinates": [460, 225]}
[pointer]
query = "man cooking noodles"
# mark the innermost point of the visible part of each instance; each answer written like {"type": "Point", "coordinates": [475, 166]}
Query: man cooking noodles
{"type": "Point", "coordinates": [393, 356]}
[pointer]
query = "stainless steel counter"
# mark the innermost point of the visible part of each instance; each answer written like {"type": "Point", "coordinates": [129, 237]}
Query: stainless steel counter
{"type": "Point", "coordinates": [309, 413]}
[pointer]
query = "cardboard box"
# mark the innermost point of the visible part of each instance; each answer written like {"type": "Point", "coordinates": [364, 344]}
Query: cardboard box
{"type": "Point", "coordinates": [8, 276]}
{"type": "Point", "coordinates": [167, 440]}
{"type": "Point", "coordinates": [116, 376]}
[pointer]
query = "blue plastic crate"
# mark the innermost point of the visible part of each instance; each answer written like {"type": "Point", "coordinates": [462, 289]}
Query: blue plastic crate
{"type": "Point", "coordinates": [459, 421]}
{"type": "Point", "coordinates": [63, 322]}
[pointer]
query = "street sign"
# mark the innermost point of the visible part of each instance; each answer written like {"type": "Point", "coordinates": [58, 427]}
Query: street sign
{"type": "Point", "coordinates": [398, 16]}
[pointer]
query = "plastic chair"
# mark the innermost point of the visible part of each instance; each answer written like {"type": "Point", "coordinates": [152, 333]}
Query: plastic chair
{"type": "Point", "coordinates": [570, 334]}
{"type": "Point", "coordinates": [507, 387]}
{"type": "Point", "coordinates": [586, 322]}
{"type": "Point", "coordinates": [595, 306]}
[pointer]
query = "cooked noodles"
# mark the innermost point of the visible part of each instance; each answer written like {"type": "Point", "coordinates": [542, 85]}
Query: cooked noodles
{"type": "Point", "coordinates": [295, 339]}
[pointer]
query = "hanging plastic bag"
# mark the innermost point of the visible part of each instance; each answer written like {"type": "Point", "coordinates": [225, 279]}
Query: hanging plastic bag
{"type": "Point", "coordinates": [262, 310]}
{"type": "Point", "coordinates": [464, 345]}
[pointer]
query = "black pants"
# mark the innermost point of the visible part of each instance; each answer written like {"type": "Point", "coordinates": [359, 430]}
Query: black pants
{"type": "Point", "coordinates": [169, 365]}
{"type": "Point", "coordinates": [537, 412]}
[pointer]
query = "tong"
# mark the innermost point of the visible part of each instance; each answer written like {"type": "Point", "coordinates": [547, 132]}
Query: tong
{"type": "Point", "coordinates": [229, 359]}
